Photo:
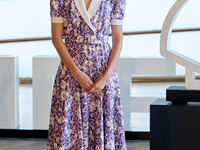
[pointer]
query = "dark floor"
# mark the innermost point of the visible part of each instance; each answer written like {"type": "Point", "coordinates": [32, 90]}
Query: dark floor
{"type": "Point", "coordinates": [23, 144]}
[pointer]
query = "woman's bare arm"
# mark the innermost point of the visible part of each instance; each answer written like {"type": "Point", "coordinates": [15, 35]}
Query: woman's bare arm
{"type": "Point", "coordinates": [82, 78]}
{"type": "Point", "coordinates": [117, 38]}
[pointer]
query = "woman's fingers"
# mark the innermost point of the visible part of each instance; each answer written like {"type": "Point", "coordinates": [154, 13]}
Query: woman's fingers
{"type": "Point", "coordinates": [84, 80]}
{"type": "Point", "coordinates": [91, 90]}
{"type": "Point", "coordinates": [88, 86]}
{"type": "Point", "coordinates": [95, 88]}
{"type": "Point", "coordinates": [90, 82]}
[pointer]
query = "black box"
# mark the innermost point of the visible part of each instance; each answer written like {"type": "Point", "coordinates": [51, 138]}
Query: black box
{"type": "Point", "coordinates": [180, 94]}
{"type": "Point", "coordinates": [174, 127]}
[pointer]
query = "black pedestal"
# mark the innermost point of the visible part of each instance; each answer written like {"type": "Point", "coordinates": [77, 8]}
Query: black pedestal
{"type": "Point", "coordinates": [174, 127]}
{"type": "Point", "coordinates": [180, 94]}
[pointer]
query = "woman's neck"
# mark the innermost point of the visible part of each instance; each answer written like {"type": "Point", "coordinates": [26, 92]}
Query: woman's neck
{"type": "Point", "coordinates": [87, 3]}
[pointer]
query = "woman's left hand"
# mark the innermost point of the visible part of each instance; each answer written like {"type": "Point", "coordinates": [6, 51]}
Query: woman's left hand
{"type": "Point", "coordinates": [98, 85]}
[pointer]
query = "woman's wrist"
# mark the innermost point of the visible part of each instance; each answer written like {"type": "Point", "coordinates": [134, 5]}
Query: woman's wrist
{"type": "Point", "coordinates": [76, 72]}
{"type": "Point", "coordinates": [107, 75]}
{"type": "Point", "coordinates": [105, 78]}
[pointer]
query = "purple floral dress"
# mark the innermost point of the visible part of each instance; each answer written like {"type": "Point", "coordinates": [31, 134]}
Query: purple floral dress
{"type": "Point", "coordinates": [80, 120]}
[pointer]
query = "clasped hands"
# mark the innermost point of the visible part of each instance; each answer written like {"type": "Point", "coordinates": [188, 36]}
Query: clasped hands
{"type": "Point", "coordinates": [87, 84]}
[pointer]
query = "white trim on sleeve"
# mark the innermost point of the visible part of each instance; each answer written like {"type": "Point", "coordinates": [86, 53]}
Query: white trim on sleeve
{"type": "Point", "coordinates": [57, 20]}
{"type": "Point", "coordinates": [116, 22]}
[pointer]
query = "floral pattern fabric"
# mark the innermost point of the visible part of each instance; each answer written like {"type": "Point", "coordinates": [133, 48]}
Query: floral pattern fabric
{"type": "Point", "coordinates": [80, 120]}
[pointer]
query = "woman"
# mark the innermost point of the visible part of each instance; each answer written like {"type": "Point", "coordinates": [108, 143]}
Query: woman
{"type": "Point", "coordinates": [86, 111]}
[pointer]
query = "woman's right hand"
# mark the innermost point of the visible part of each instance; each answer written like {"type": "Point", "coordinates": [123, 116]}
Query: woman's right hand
{"type": "Point", "coordinates": [84, 80]}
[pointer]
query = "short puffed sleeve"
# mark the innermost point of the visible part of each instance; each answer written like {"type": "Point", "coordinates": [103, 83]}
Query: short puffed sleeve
{"type": "Point", "coordinates": [56, 11]}
{"type": "Point", "coordinates": [117, 13]}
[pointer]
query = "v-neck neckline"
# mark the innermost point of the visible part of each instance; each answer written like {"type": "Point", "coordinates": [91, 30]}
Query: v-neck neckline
{"type": "Point", "coordinates": [87, 14]}
{"type": "Point", "coordinates": [88, 6]}
{"type": "Point", "coordinates": [94, 5]}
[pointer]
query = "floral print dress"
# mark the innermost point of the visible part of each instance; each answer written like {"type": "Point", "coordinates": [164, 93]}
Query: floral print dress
{"type": "Point", "coordinates": [80, 120]}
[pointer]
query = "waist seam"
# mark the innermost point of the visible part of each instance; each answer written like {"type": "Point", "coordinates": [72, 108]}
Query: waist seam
{"type": "Point", "coordinates": [87, 39]}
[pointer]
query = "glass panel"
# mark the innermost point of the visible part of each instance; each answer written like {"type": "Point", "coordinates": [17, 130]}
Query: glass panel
{"type": "Point", "coordinates": [152, 89]}
{"type": "Point", "coordinates": [141, 45]}
{"type": "Point", "coordinates": [188, 17]}
{"type": "Point", "coordinates": [186, 43]}
{"type": "Point", "coordinates": [25, 106]}
{"type": "Point", "coordinates": [133, 46]}
{"type": "Point", "coordinates": [24, 19]}
{"type": "Point", "coordinates": [140, 122]}
{"type": "Point", "coordinates": [27, 50]}
{"type": "Point", "coordinates": [144, 15]}
{"type": "Point", "coordinates": [31, 18]}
